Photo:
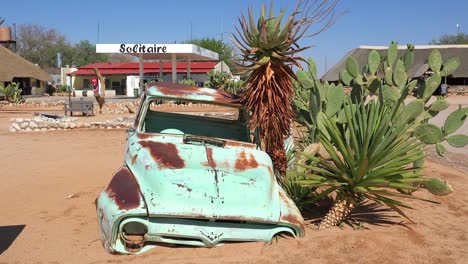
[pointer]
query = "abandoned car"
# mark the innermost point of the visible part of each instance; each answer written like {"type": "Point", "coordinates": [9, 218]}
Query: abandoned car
{"type": "Point", "coordinates": [197, 180]}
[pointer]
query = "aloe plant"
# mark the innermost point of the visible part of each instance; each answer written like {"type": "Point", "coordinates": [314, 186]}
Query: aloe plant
{"type": "Point", "coordinates": [371, 158]}
{"type": "Point", "coordinates": [270, 47]}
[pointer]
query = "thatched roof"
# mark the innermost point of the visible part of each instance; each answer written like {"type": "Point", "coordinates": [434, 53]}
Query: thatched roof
{"type": "Point", "coordinates": [13, 65]}
{"type": "Point", "coordinates": [419, 67]}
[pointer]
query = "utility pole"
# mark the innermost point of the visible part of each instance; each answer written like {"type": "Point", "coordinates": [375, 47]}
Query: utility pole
{"type": "Point", "coordinates": [222, 51]}
{"type": "Point", "coordinates": [191, 31]}
{"type": "Point", "coordinates": [97, 37]}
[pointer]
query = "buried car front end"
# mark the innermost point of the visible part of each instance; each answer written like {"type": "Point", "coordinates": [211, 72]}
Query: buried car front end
{"type": "Point", "coordinates": [198, 182]}
{"type": "Point", "coordinates": [192, 199]}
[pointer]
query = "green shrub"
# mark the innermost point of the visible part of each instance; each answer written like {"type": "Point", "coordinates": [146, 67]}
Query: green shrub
{"type": "Point", "coordinates": [217, 79]}
{"type": "Point", "coordinates": [188, 82]}
{"type": "Point", "coordinates": [11, 92]}
{"type": "Point", "coordinates": [62, 88]}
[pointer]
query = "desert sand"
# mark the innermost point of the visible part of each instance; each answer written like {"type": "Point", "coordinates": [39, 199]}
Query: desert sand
{"type": "Point", "coordinates": [49, 181]}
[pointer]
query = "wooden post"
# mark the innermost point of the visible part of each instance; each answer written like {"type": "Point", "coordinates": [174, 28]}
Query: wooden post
{"type": "Point", "coordinates": [102, 80]}
{"type": "Point", "coordinates": [100, 95]}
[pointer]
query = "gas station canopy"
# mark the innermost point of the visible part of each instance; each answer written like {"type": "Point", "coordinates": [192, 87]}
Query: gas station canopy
{"type": "Point", "coordinates": [161, 52]}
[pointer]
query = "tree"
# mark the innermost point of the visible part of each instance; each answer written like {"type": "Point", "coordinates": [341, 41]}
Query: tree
{"type": "Point", "coordinates": [121, 58]}
{"type": "Point", "coordinates": [460, 38]}
{"type": "Point", "coordinates": [270, 46]}
{"type": "Point", "coordinates": [224, 50]}
{"type": "Point", "coordinates": [39, 44]}
{"type": "Point", "coordinates": [85, 53]}
{"type": "Point", "coordinates": [1, 21]}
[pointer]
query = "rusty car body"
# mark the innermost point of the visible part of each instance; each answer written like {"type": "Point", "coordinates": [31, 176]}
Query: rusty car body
{"type": "Point", "coordinates": [192, 180]}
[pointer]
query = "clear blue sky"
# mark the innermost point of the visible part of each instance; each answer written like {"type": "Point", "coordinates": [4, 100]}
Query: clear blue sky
{"type": "Point", "coordinates": [368, 22]}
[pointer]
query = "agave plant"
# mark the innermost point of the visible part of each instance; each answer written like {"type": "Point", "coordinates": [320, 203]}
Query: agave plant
{"type": "Point", "coordinates": [269, 46]}
{"type": "Point", "coordinates": [371, 158]}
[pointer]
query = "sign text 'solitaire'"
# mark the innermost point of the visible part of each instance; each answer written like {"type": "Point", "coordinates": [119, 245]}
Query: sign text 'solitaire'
{"type": "Point", "coordinates": [142, 48]}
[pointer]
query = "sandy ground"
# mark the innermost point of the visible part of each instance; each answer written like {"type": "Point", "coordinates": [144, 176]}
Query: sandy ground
{"type": "Point", "coordinates": [39, 224]}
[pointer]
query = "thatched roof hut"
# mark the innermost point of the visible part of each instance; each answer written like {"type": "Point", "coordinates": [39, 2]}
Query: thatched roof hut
{"type": "Point", "coordinates": [15, 66]}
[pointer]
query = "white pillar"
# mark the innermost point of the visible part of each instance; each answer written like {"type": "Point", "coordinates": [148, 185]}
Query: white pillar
{"type": "Point", "coordinates": [140, 60]}
{"type": "Point", "coordinates": [174, 68]}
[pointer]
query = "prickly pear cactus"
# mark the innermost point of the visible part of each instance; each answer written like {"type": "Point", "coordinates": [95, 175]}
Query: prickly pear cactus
{"type": "Point", "coordinates": [312, 97]}
{"type": "Point", "coordinates": [386, 76]}
{"type": "Point", "coordinates": [431, 134]}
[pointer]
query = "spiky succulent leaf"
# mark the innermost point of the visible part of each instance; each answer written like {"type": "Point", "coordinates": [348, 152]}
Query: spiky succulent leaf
{"type": "Point", "coordinates": [435, 60]}
{"type": "Point", "coordinates": [352, 67]}
{"type": "Point", "coordinates": [356, 92]}
{"type": "Point", "coordinates": [373, 62]}
{"type": "Point", "coordinates": [429, 133]}
{"type": "Point", "coordinates": [345, 77]}
{"type": "Point", "coordinates": [440, 149]}
{"type": "Point", "coordinates": [450, 66]}
{"type": "Point", "coordinates": [455, 120]}
{"type": "Point", "coordinates": [392, 53]}
{"type": "Point", "coordinates": [342, 115]}
{"type": "Point", "coordinates": [458, 141]}
{"type": "Point", "coordinates": [439, 105]}
{"type": "Point", "coordinates": [437, 186]}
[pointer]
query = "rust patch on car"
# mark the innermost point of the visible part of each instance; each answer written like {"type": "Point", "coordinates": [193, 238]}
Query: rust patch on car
{"type": "Point", "coordinates": [183, 90]}
{"type": "Point", "coordinates": [285, 199]}
{"type": "Point", "coordinates": [209, 155]}
{"type": "Point", "coordinates": [134, 158]}
{"type": "Point", "coordinates": [243, 163]}
{"type": "Point", "coordinates": [166, 155]}
{"type": "Point", "coordinates": [124, 190]}
{"type": "Point", "coordinates": [291, 218]}
{"type": "Point", "coordinates": [246, 219]}
{"type": "Point", "coordinates": [294, 220]}
{"type": "Point", "coordinates": [144, 135]}
{"type": "Point", "coordinates": [231, 143]}
{"type": "Point", "coordinates": [183, 186]}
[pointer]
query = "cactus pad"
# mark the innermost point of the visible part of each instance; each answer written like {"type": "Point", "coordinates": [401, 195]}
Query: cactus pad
{"type": "Point", "coordinates": [437, 186]}
{"type": "Point", "coordinates": [455, 120]}
{"type": "Point", "coordinates": [458, 141]}
{"type": "Point", "coordinates": [428, 133]}
{"type": "Point", "coordinates": [435, 60]}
